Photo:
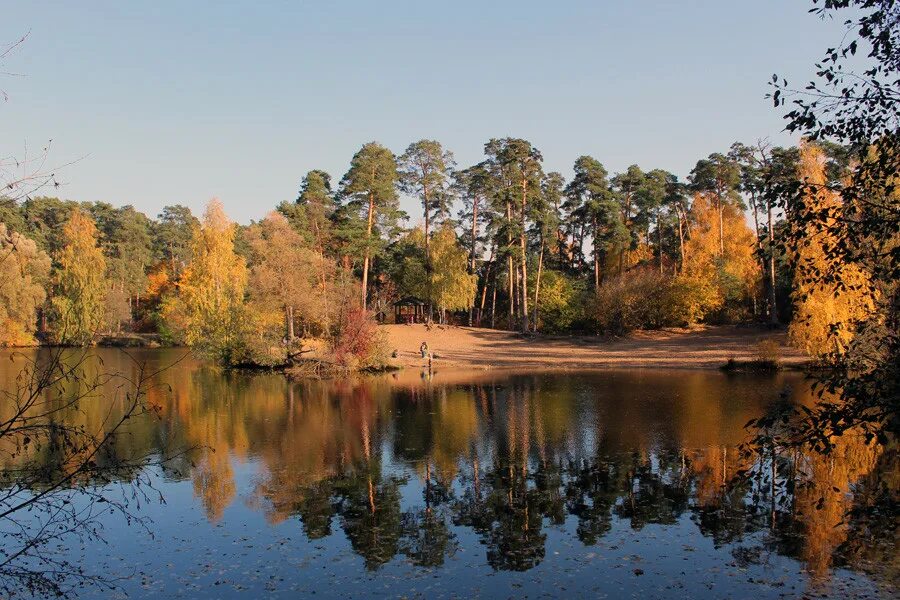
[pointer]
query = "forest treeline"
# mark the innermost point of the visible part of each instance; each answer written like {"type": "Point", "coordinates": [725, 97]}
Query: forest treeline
{"type": "Point", "coordinates": [501, 243]}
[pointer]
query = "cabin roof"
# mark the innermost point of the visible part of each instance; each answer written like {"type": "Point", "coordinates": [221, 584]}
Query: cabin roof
{"type": "Point", "coordinates": [409, 301]}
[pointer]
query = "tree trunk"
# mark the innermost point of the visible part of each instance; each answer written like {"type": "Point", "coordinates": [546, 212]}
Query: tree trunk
{"type": "Point", "coordinates": [659, 237]}
{"type": "Point", "coordinates": [759, 244]}
{"type": "Point", "coordinates": [494, 302]}
{"type": "Point", "coordinates": [428, 273]}
{"type": "Point", "coordinates": [577, 255]}
{"type": "Point", "coordinates": [365, 278]}
{"type": "Point", "coordinates": [537, 285]}
{"type": "Point", "coordinates": [773, 308]}
{"type": "Point", "coordinates": [626, 249]}
{"type": "Point", "coordinates": [320, 247]}
{"type": "Point", "coordinates": [289, 322]}
{"type": "Point", "coordinates": [721, 224]}
{"type": "Point", "coordinates": [523, 245]}
{"type": "Point", "coordinates": [371, 220]}
{"type": "Point", "coordinates": [680, 236]}
{"type": "Point", "coordinates": [474, 248]}
{"type": "Point", "coordinates": [512, 274]}
{"type": "Point", "coordinates": [472, 254]}
{"type": "Point", "coordinates": [427, 221]}
{"type": "Point", "coordinates": [487, 279]}
{"type": "Point", "coordinates": [596, 256]}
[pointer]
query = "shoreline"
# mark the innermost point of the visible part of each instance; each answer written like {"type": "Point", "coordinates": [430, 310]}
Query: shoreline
{"type": "Point", "coordinates": [672, 349]}
{"type": "Point", "coordinates": [484, 350]}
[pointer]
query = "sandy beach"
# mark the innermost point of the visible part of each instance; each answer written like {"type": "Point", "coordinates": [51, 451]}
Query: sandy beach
{"type": "Point", "coordinates": [476, 348]}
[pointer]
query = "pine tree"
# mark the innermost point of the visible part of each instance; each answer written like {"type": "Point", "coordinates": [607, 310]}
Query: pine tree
{"type": "Point", "coordinates": [719, 177]}
{"type": "Point", "coordinates": [371, 209]}
{"type": "Point", "coordinates": [424, 171]}
{"type": "Point", "coordinates": [545, 215]}
{"type": "Point", "coordinates": [651, 198]}
{"type": "Point", "coordinates": [172, 236]}
{"type": "Point", "coordinates": [474, 186]}
{"type": "Point", "coordinates": [625, 187]}
{"type": "Point", "coordinates": [592, 202]}
{"type": "Point", "coordinates": [517, 172]}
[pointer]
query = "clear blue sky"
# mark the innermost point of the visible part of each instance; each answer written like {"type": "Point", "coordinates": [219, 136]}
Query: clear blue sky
{"type": "Point", "coordinates": [177, 102]}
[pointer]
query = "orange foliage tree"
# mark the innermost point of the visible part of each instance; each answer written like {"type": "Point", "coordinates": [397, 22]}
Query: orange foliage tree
{"type": "Point", "coordinates": [718, 273]}
{"type": "Point", "coordinates": [825, 312]}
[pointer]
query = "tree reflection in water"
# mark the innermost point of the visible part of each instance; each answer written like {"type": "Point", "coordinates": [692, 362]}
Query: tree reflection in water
{"type": "Point", "coordinates": [402, 467]}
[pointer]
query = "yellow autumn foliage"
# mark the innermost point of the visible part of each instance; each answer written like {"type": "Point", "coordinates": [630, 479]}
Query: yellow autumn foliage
{"type": "Point", "coordinates": [452, 287]}
{"type": "Point", "coordinates": [79, 297]}
{"type": "Point", "coordinates": [208, 306]}
{"type": "Point", "coordinates": [24, 270]}
{"type": "Point", "coordinates": [712, 278]}
{"type": "Point", "coordinates": [824, 314]}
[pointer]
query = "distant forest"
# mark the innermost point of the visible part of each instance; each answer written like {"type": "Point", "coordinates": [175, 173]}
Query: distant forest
{"type": "Point", "coordinates": [500, 244]}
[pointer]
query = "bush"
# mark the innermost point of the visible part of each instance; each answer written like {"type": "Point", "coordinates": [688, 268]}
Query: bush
{"type": "Point", "coordinates": [768, 351]}
{"type": "Point", "coordinates": [358, 343]}
{"type": "Point", "coordinates": [691, 300]}
{"type": "Point", "coordinates": [561, 302]}
{"type": "Point", "coordinates": [640, 299]}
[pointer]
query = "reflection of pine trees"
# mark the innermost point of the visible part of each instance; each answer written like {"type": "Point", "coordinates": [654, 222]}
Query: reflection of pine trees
{"type": "Point", "coordinates": [591, 491]}
{"type": "Point", "coordinates": [426, 537]}
{"type": "Point", "coordinates": [514, 538]}
{"type": "Point", "coordinates": [724, 509]}
{"type": "Point", "coordinates": [316, 510]}
{"type": "Point", "coordinates": [369, 508]}
{"type": "Point", "coordinates": [509, 458]}
{"type": "Point", "coordinates": [654, 494]}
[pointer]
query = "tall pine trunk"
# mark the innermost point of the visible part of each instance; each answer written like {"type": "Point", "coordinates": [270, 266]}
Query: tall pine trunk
{"type": "Point", "coordinates": [323, 280]}
{"type": "Point", "coordinates": [537, 285]}
{"type": "Point", "coordinates": [523, 245]}
{"type": "Point", "coordinates": [474, 249]}
{"type": "Point", "coordinates": [759, 243]}
{"type": "Point", "coordinates": [577, 255]}
{"type": "Point", "coordinates": [680, 236]}
{"type": "Point", "coordinates": [659, 237]}
{"type": "Point", "coordinates": [596, 256]}
{"type": "Point", "coordinates": [721, 224]}
{"type": "Point", "coordinates": [487, 279]}
{"type": "Point", "coordinates": [773, 308]}
{"type": "Point", "coordinates": [428, 272]}
{"type": "Point", "coordinates": [371, 220]}
{"type": "Point", "coordinates": [512, 273]}
{"type": "Point", "coordinates": [494, 302]}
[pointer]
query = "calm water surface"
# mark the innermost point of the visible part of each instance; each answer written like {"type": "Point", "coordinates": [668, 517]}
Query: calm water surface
{"type": "Point", "coordinates": [594, 484]}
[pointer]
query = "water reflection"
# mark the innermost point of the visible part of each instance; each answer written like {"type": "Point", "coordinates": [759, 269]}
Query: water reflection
{"type": "Point", "coordinates": [403, 466]}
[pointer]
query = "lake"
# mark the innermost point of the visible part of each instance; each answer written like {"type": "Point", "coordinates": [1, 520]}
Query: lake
{"type": "Point", "coordinates": [467, 484]}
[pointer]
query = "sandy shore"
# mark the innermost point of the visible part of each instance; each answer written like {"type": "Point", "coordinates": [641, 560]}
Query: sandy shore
{"type": "Point", "coordinates": [471, 347]}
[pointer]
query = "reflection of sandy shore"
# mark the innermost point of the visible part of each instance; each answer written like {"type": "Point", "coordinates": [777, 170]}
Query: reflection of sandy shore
{"type": "Point", "coordinates": [473, 348]}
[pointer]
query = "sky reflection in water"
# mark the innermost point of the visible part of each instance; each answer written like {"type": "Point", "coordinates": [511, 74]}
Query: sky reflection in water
{"type": "Point", "coordinates": [467, 484]}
